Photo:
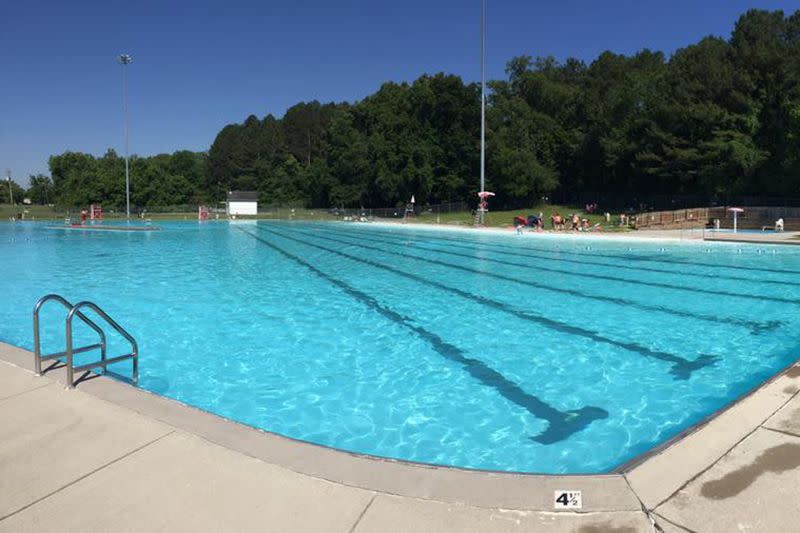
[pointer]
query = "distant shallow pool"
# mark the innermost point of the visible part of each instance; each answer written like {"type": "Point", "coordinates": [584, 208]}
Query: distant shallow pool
{"type": "Point", "coordinates": [504, 352]}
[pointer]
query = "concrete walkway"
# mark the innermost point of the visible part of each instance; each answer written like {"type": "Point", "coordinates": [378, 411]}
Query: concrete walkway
{"type": "Point", "coordinates": [73, 461]}
{"type": "Point", "coordinates": [786, 237]}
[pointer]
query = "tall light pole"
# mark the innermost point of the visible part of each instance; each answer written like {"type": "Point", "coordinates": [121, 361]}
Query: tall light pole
{"type": "Point", "coordinates": [483, 110]}
{"type": "Point", "coordinates": [126, 60]}
{"type": "Point", "coordinates": [10, 189]}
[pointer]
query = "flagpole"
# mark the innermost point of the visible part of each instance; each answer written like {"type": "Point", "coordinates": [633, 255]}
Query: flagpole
{"type": "Point", "coordinates": [483, 108]}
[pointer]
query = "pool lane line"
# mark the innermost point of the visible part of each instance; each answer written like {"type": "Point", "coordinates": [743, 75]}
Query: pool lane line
{"type": "Point", "coordinates": [681, 368]}
{"type": "Point", "coordinates": [660, 285]}
{"type": "Point", "coordinates": [622, 257]}
{"type": "Point", "coordinates": [505, 251]}
{"type": "Point", "coordinates": [644, 258]}
{"type": "Point", "coordinates": [754, 326]}
{"type": "Point", "coordinates": [561, 424]}
{"type": "Point", "coordinates": [499, 248]}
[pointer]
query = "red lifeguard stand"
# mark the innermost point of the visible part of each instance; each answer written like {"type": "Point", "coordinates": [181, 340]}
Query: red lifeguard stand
{"type": "Point", "coordinates": [483, 207]}
{"type": "Point", "coordinates": [96, 212]}
{"type": "Point", "coordinates": [202, 212]}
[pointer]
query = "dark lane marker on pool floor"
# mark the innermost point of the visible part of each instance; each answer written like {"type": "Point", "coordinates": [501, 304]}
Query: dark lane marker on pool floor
{"type": "Point", "coordinates": [681, 368]}
{"type": "Point", "coordinates": [644, 258]}
{"type": "Point", "coordinates": [755, 326]}
{"type": "Point", "coordinates": [504, 250]}
{"type": "Point", "coordinates": [561, 424]}
{"type": "Point", "coordinates": [652, 283]}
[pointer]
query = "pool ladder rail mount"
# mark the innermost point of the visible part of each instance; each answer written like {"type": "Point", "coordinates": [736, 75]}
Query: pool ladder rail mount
{"type": "Point", "coordinates": [70, 352]}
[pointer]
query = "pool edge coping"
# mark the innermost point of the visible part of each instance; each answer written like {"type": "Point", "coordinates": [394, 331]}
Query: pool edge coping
{"type": "Point", "coordinates": [645, 484]}
{"type": "Point", "coordinates": [640, 459]}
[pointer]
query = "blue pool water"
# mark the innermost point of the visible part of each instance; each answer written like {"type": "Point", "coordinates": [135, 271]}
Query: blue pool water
{"type": "Point", "coordinates": [554, 354]}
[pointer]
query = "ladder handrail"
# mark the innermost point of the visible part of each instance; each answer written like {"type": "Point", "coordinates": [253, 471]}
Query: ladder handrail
{"type": "Point", "coordinates": [75, 310]}
{"type": "Point", "coordinates": [36, 339]}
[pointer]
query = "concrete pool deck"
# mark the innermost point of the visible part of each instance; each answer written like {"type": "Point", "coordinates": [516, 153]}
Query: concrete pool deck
{"type": "Point", "coordinates": [108, 456]}
{"type": "Point", "coordinates": [784, 237]}
{"type": "Point", "coordinates": [687, 234]}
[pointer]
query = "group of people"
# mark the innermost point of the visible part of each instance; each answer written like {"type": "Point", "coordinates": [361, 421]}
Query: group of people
{"type": "Point", "coordinates": [558, 222]}
{"type": "Point", "coordinates": [533, 221]}
{"type": "Point", "coordinates": [573, 222]}
{"type": "Point", "coordinates": [577, 223]}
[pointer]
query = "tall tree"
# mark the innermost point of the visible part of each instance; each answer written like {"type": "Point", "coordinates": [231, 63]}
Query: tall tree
{"type": "Point", "coordinates": [720, 117]}
{"type": "Point", "coordinates": [40, 190]}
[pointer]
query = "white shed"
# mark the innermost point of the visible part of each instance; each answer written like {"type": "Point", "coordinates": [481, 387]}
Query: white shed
{"type": "Point", "coordinates": [242, 203]}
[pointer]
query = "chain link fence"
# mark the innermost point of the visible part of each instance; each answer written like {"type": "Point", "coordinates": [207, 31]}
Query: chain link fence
{"type": "Point", "coordinates": [369, 213]}
{"type": "Point", "coordinates": [275, 212]}
{"type": "Point", "coordinates": [755, 215]}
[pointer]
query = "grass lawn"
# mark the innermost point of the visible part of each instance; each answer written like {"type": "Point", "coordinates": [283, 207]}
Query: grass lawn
{"type": "Point", "coordinates": [502, 219]}
{"type": "Point", "coordinates": [31, 211]}
{"type": "Point", "coordinates": [43, 212]}
{"type": "Point", "coordinates": [495, 219]}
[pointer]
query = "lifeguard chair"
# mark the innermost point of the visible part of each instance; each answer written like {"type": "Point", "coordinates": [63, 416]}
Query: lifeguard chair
{"type": "Point", "coordinates": [410, 209]}
{"type": "Point", "coordinates": [202, 212]}
{"type": "Point", "coordinates": [483, 207]}
{"type": "Point", "coordinates": [95, 212]}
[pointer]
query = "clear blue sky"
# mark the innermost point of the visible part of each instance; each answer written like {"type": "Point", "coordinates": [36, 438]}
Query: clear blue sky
{"type": "Point", "coordinates": [200, 65]}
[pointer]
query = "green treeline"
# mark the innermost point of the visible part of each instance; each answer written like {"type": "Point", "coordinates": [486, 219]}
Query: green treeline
{"type": "Point", "coordinates": [719, 117]}
{"type": "Point", "coordinates": [80, 179]}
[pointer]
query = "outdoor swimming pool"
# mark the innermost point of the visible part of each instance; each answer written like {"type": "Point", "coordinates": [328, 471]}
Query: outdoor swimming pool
{"type": "Point", "coordinates": [552, 354]}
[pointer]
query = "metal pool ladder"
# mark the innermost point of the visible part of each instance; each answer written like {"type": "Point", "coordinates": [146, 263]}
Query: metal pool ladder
{"type": "Point", "coordinates": [73, 311]}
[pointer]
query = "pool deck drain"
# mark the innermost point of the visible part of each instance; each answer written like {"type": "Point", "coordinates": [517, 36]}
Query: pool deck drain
{"type": "Point", "coordinates": [149, 463]}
